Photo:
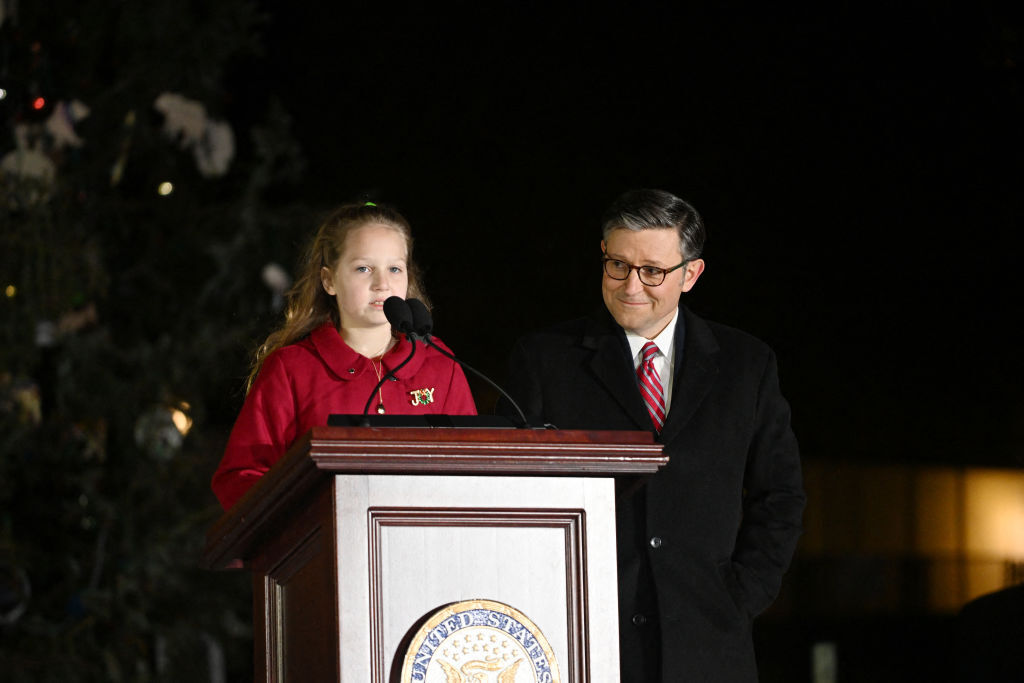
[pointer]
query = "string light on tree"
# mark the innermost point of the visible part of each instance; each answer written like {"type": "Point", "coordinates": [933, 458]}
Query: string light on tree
{"type": "Point", "coordinates": [165, 188]}
{"type": "Point", "coordinates": [180, 417]}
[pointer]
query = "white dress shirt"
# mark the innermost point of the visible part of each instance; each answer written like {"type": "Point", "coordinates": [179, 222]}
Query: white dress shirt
{"type": "Point", "coordinates": [664, 360]}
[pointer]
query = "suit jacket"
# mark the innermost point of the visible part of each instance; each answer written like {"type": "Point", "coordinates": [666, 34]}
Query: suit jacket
{"type": "Point", "coordinates": [717, 526]}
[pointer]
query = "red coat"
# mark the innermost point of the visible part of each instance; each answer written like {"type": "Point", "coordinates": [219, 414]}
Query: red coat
{"type": "Point", "coordinates": [303, 383]}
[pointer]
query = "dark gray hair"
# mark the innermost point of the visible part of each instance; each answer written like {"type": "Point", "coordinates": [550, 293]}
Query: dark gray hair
{"type": "Point", "coordinates": [653, 210]}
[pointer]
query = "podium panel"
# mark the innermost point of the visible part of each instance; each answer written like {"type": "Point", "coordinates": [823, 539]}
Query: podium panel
{"type": "Point", "coordinates": [359, 538]}
{"type": "Point", "coordinates": [408, 546]}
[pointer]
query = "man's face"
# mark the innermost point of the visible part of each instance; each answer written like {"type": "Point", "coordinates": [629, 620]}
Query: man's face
{"type": "Point", "coordinates": [639, 308]}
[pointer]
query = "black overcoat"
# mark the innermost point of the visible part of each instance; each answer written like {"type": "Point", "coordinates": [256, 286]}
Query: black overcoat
{"type": "Point", "coordinates": [723, 516]}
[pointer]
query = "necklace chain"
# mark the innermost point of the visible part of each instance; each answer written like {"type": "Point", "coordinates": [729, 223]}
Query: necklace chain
{"type": "Point", "coordinates": [378, 370]}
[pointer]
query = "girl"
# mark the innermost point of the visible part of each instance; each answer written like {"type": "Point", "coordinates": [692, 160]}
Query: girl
{"type": "Point", "coordinates": [335, 345]}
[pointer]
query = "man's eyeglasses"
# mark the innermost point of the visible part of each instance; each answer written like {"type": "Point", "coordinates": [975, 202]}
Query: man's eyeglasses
{"type": "Point", "coordinates": [652, 276]}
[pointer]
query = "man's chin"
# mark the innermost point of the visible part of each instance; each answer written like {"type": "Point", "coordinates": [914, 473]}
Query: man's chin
{"type": "Point", "coordinates": [641, 322]}
{"type": "Point", "coordinates": [628, 320]}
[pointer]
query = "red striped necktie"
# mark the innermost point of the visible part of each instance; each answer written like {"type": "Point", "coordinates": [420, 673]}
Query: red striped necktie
{"type": "Point", "coordinates": [650, 385]}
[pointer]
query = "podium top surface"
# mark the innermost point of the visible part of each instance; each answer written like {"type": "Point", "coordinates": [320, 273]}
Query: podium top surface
{"type": "Point", "coordinates": [482, 451]}
{"type": "Point", "coordinates": [326, 451]}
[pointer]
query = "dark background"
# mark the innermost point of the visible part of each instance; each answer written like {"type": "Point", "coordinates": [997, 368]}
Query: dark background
{"type": "Point", "coordinates": [858, 168]}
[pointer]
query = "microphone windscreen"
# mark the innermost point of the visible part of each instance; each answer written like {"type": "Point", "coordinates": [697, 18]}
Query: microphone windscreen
{"type": "Point", "coordinates": [422, 321]}
{"type": "Point", "coordinates": [396, 310]}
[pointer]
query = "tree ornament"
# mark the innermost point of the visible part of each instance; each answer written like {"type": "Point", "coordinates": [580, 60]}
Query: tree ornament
{"type": "Point", "coordinates": [185, 121]}
{"type": "Point", "coordinates": [279, 281]}
{"type": "Point", "coordinates": [156, 433]}
{"type": "Point", "coordinates": [61, 122]}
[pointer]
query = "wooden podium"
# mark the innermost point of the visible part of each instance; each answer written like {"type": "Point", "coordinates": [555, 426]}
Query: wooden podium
{"type": "Point", "coordinates": [358, 535]}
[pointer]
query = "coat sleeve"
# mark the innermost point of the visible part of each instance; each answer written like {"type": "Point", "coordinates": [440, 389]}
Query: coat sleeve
{"type": "Point", "coordinates": [774, 498]}
{"type": "Point", "coordinates": [261, 434]}
{"type": "Point", "coordinates": [459, 398]}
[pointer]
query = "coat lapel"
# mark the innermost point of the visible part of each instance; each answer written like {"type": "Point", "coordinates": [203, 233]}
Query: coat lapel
{"type": "Point", "coordinates": [696, 366]}
{"type": "Point", "coordinates": [613, 367]}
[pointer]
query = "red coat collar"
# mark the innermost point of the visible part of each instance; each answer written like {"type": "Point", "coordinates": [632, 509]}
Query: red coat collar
{"type": "Point", "coordinates": [347, 364]}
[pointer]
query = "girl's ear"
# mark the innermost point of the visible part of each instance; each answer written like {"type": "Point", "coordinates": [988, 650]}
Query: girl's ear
{"type": "Point", "coordinates": [327, 278]}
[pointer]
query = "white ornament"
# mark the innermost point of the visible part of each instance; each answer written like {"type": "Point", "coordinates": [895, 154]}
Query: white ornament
{"type": "Point", "coordinates": [184, 119]}
{"type": "Point", "coordinates": [29, 163]}
{"type": "Point", "coordinates": [215, 149]}
{"type": "Point", "coordinates": [27, 169]}
{"type": "Point", "coordinates": [60, 124]}
{"type": "Point", "coordinates": [276, 278]}
{"type": "Point", "coordinates": [212, 142]}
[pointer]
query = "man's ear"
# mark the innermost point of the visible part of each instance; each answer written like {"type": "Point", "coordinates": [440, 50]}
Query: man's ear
{"type": "Point", "coordinates": [327, 279]}
{"type": "Point", "coordinates": [692, 271]}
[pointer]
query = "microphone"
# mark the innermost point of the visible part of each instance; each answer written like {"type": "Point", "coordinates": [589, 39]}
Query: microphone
{"type": "Point", "coordinates": [423, 324]}
{"type": "Point", "coordinates": [398, 314]}
{"type": "Point", "coordinates": [422, 321]}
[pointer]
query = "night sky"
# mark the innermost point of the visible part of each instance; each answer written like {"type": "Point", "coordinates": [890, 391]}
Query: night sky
{"type": "Point", "coordinates": [859, 170]}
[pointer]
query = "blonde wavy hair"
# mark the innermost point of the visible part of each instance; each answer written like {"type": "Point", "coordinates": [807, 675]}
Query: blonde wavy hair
{"type": "Point", "coordinates": [309, 305]}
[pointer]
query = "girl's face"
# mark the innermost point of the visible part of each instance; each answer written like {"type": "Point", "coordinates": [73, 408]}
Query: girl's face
{"type": "Point", "coordinates": [373, 266]}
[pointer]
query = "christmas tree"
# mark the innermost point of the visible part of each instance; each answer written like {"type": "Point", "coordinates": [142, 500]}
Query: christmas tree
{"type": "Point", "coordinates": [144, 211]}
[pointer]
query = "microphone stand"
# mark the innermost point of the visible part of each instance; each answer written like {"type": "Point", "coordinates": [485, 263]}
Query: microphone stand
{"type": "Point", "coordinates": [388, 375]}
{"type": "Point", "coordinates": [423, 323]}
{"type": "Point", "coordinates": [430, 342]}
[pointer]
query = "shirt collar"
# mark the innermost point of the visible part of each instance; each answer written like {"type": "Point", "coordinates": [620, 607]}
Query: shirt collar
{"type": "Point", "coordinates": [665, 341]}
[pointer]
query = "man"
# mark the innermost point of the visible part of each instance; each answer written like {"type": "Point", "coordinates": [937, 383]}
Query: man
{"type": "Point", "coordinates": [702, 544]}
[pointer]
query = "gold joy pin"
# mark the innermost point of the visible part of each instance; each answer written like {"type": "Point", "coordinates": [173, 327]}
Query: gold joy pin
{"type": "Point", "coordinates": [422, 397]}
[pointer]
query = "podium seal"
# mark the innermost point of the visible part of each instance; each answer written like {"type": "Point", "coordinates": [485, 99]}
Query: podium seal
{"type": "Point", "coordinates": [476, 641]}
